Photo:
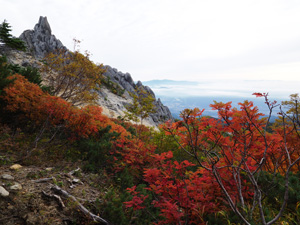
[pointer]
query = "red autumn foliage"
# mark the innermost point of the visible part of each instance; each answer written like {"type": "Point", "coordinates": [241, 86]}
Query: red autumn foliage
{"type": "Point", "coordinates": [225, 153]}
{"type": "Point", "coordinates": [137, 199]}
{"type": "Point", "coordinates": [181, 195]}
{"type": "Point", "coordinates": [23, 96]}
{"type": "Point", "coordinates": [132, 153]}
{"type": "Point", "coordinates": [28, 98]}
{"type": "Point", "coordinates": [229, 152]}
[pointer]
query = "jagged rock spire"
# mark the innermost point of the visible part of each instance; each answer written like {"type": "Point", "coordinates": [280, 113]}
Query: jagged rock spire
{"type": "Point", "coordinates": [43, 26]}
{"type": "Point", "coordinates": [40, 41]}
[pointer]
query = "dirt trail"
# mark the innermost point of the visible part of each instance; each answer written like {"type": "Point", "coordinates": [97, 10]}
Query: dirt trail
{"type": "Point", "coordinates": [30, 206]}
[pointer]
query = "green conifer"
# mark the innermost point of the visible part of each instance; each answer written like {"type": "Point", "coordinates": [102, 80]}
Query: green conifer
{"type": "Point", "coordinates": [8, 40]}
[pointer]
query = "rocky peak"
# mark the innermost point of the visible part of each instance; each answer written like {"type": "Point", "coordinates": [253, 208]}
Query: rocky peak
{"type": "Point", "coordinates": [40, 41]}
{"type": "Point", "coordinates": [115, 97]}
{"type": "Point", "coordinates": [43, 26]}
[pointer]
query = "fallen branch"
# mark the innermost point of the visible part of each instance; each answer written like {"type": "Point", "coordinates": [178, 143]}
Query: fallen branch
{"type": "Point", "coordinates": [73, 171]}
{"type": "Point", "coordinates": [86, 212]}
{"type": "Point", "coordinates": [43, 180]}
{"type": "Point", "coordinates": [58, 198]}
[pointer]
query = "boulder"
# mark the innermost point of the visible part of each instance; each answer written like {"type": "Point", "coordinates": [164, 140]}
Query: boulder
{"type": "Point", "coordinates": [15, 167]}
{"type": "Point", "coordinates": [7, 177]}
{"type": "Point", "coordinates": [3, 192]}
{"type": "Point", "coordinates": [16, 187]}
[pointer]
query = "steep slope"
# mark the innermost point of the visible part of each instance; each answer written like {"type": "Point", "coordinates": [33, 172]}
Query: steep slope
{"type": "Point", "coordinates": [41, 41]}
{"type": "Point", "coordinates": [117, 104]}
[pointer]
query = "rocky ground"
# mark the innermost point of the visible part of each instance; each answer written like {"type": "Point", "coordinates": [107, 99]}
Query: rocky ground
{"type": "Point", "coordinates": [36, 195]}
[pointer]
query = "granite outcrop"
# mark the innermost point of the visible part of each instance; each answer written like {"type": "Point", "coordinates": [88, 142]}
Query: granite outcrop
{"type": "Point", "coordinates": [125, 82]}
{"type": "Point", "coordinates": [41, 41]}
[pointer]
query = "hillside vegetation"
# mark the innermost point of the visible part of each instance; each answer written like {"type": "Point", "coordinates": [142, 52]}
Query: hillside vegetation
{"type": "Point", "coordinates": [79, 166]}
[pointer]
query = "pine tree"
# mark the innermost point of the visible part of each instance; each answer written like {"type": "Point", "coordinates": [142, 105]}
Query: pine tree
{"type": "Point", "coordinates": [4, 73]}
{"type": "Point", "coordinates": [141, 107]}
{"type": "Point", "coordinates": [7, 39]}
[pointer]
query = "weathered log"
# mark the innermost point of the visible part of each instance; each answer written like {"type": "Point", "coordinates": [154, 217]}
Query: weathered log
{"type": "Point", "coordinates": [43, 180]}
{"type": "Point", "coordinates": [84, 210]}
{"type": "Point", "coordinates": [58, 198]}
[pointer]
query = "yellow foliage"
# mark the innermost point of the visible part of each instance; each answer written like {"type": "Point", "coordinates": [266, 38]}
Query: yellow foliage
{"type": "Point", "coordinates": [73, 77]}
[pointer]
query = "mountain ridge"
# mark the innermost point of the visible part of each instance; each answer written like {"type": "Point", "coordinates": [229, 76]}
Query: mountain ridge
{"type": "Point", "coordinates": [40, 41]}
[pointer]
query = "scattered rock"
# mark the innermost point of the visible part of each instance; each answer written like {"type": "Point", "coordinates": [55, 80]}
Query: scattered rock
{"type": "Point", "coordinates": [26, 63]}
{"type": "Point", "coordinates": [15, 167]}
{"type": "Point", "coordinates": [7, 177]}
{"type": "Point", "coordinates": [16, 187]}
{"type": "Point", "coordinates": [75, 180]}
{"type": "Point", "coordinates": [3, 192]}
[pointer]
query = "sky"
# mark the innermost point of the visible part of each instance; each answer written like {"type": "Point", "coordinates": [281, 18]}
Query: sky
{"type": "Point", "coordinates": [230, 44]}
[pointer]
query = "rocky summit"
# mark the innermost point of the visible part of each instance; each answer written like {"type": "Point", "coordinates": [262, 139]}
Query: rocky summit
{"type": "Point", "coordinates": [41, 41]}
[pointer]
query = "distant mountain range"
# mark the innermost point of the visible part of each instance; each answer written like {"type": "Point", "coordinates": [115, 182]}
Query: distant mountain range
{"type": "Point", "coordinates": [156, 83]}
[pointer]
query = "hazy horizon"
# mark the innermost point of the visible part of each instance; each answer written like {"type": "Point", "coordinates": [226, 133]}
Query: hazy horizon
{"type": "Point", "coordinates": [162, 39]}
{"type": "Point", "coordinates": [280, 90]}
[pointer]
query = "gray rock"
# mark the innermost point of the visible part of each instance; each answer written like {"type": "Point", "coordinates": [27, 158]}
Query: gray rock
{"type": "Point", "coordinates": [25, 63]}
{"type": "Point", "coordinates": [40, 40]}
{"type": "Point", "coordinates": [139, 84]}
{"type": "Point", "coordinates": [75, 180]}
{"type": "Point", "coordinates": [7, 177]}
{"type": "Point", "coordinates": [3, 192]}
{"type": "Point", "coordinates": [149, 90]}
{"type": "Point", "coordinates": [125, 81]}
{"type": "Point", "coordinates": [16, 187]}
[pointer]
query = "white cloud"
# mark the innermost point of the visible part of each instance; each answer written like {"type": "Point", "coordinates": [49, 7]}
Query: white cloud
{"type": "Point", "coordinates": [175, 39]}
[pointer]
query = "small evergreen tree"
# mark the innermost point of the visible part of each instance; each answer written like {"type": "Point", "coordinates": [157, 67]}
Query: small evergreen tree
{"type": "Point", "coordinates": [141, 107]}
{"type": "Point", "coordinates": [5, 71]}
{"type": "Point", "coordinates": [30, 73]}
{"type": "Point", "coordinates": [7, 39]}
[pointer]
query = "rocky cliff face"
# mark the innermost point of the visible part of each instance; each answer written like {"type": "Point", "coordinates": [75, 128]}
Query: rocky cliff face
{"type": "Point", "coordinates": [40, 41]}
{"type": "Point", "coordinates": [125, 82]}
